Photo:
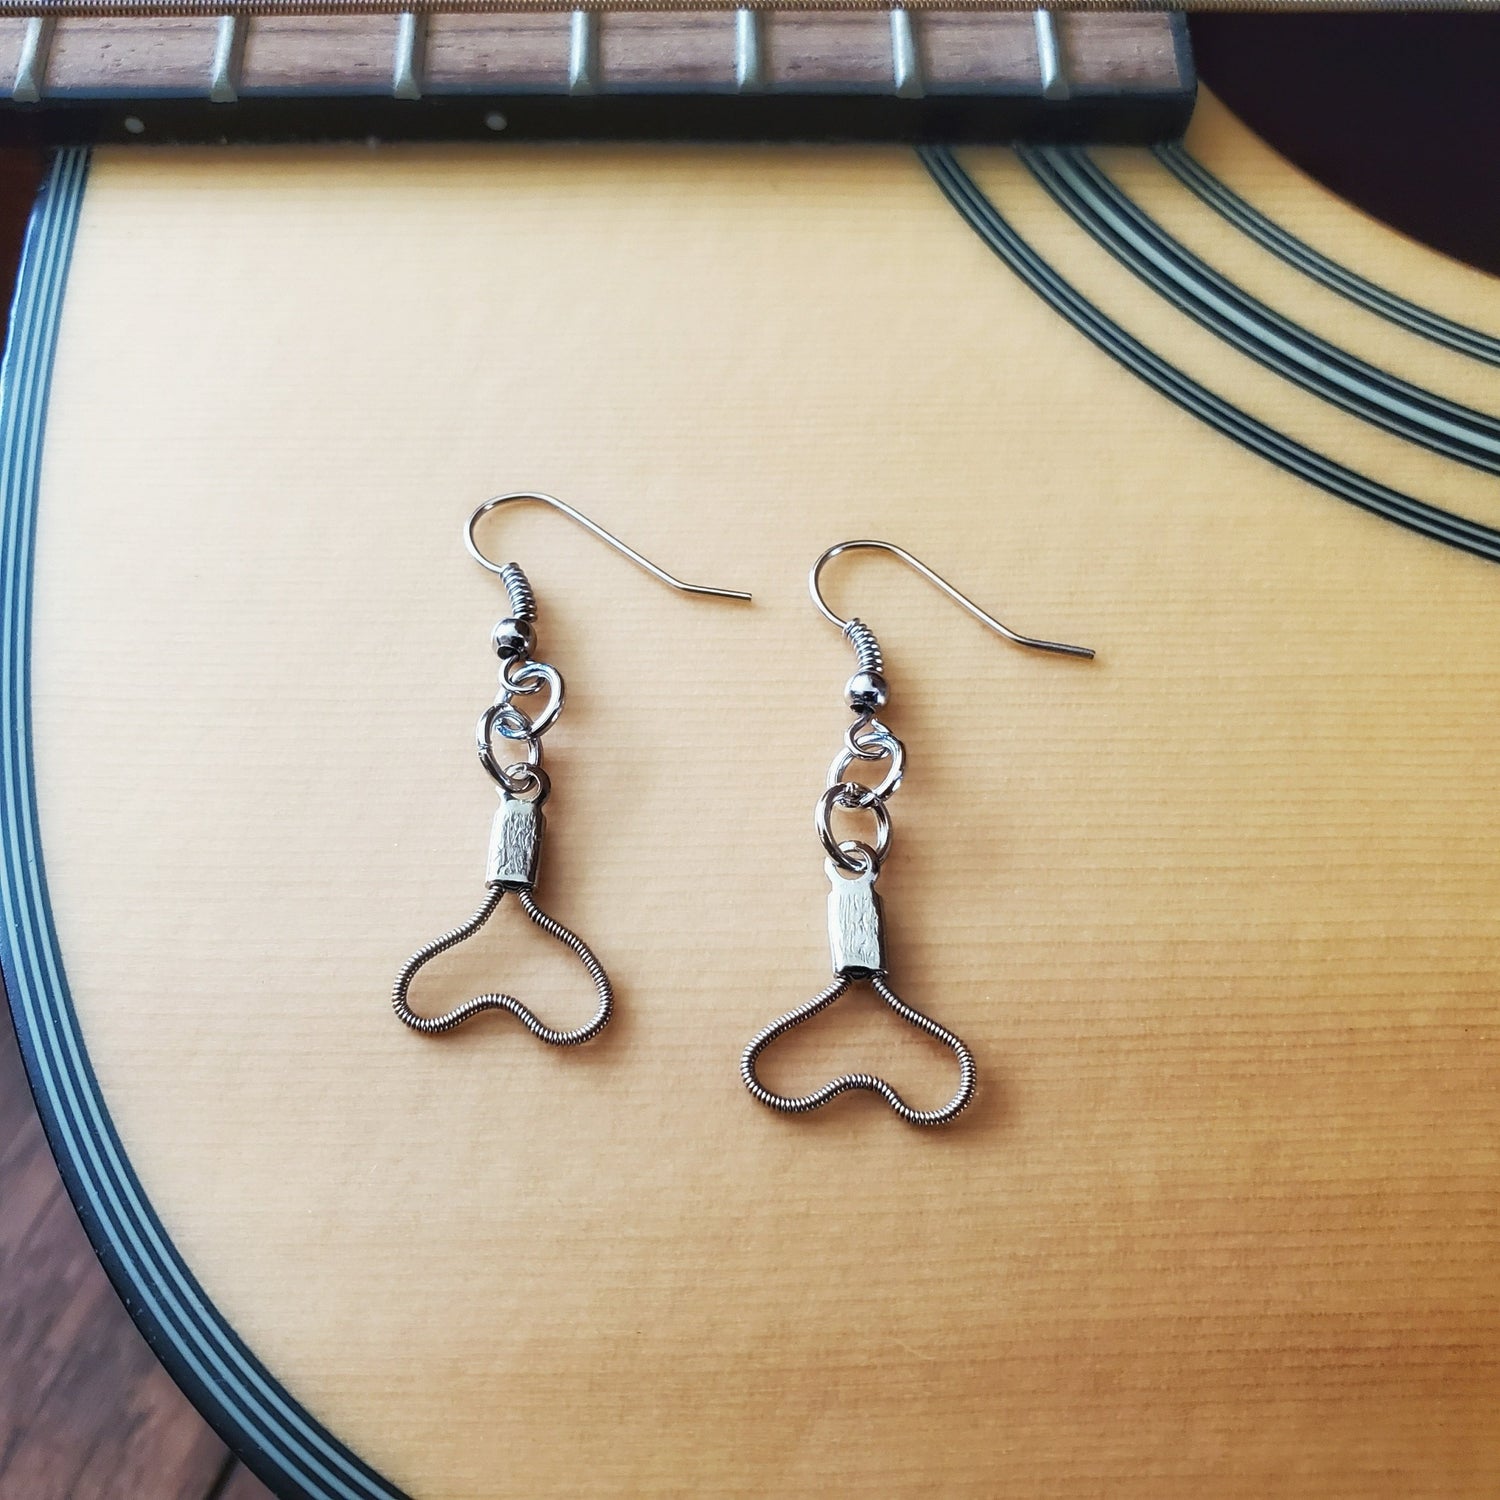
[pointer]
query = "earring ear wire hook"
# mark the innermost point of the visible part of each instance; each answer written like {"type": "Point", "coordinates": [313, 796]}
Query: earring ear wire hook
{"type": "Point", "coordinates": [593, 527]}
{"type": "Point", "coordinates": [917, 565]}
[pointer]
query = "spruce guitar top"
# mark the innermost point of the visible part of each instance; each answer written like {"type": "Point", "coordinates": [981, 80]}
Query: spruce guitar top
{"type": "Point", "coordinates": [175, 72]}
{"type": "Point", "coordinates": [1216, 911]}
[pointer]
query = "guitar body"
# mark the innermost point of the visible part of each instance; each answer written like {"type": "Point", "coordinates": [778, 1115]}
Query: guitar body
{"type": "Point", "coordinates": [1216, 911]}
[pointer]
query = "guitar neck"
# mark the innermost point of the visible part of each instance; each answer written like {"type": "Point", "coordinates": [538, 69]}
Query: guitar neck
{"type": "Point", "coordinates": [177, 73]}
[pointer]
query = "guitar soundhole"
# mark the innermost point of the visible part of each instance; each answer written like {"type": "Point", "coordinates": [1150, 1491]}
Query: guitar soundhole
{"type": "Point", "coordinates": [1396, 113]}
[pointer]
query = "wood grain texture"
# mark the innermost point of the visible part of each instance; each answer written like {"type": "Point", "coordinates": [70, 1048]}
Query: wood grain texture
{"type": "Point", "coordinates": [1117, 50]}
{"type": "Point", "coordinates": [473, 51]}
{"type": "Point", "coordinates": [323, 52]}
{"type": "Point", "coordinates": [958, 48]}
{"type": "Point", "coordinates": [85, 1410]}
{"type": "Point", "coordinates": [678, 48]}
{"type": "Point", "coordinates": [1216, 912]}
{"type": "Point", "coordinates": [86, 1413]}
{"type": "Point", "coordinates": [129, 55]}
{"type": "Point", "coordinates": [12, 33]}
{"type": "Point", "coordinates": [826, 48]}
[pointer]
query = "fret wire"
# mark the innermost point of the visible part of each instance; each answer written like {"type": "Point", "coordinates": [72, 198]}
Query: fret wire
{"type": "Point", "coordinates": [31, 68]}
{"type": "Point", "coordinates": [406, 65]}
{"type": "Point", "coordinates": [749, 51]}
{"type": "Point", "coordinates": [583, 52]}
{"type": "Point", "coordinates": [1049, 55]}
{"type": "Point", "coordinates": [906, 67]}
{"type": "Point", "coordinates": [229, 51]}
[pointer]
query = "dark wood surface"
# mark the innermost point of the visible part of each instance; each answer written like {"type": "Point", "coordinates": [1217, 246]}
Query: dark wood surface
{"type": "Point", "coordinates": [86, 1413]}
{"type": "Point", "coordinates": [1396, 113]}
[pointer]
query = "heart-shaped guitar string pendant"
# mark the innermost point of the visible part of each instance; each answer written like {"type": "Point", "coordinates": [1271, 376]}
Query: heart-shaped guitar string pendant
{"type": "Point", "coordinates": [514, 858]}
{"type": "Point", "coordinates": [857, 940]}
{"type": "Point", "coordinates": [506, 731]}
{"type": "Point", "coordinates": [515, 851]}
{"type": "Point", "coordinates": [854, 917]}
{"type": "Point", "coordinates": [435, 1025]}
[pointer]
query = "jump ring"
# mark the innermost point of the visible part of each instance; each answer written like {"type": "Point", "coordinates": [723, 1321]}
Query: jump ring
{"type": "Point", "coordinates": [523, 777]}
{"type": "Point", "coordinates": [890, 747]}
{"type": "Point", "coordinates": [861, 855]}
{"type": "Point", "coordinates": [514, 675]}
{"type": "Point", "coordinates": [860, 797]}
{"type": "Point", "coordinates": [484, 733]}
{"type": "Point", "coordinates": [523, 680]}
{"type": "Point", "coordinates": [867, 737]}
{"type": "Point", "coordinates": [511, 722]}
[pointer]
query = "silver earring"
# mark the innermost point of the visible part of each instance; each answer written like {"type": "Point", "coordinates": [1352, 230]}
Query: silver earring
{"type": "Point", "coordinates": [516, 834]}
{"type": "Point", "coordinates": [855, 921]}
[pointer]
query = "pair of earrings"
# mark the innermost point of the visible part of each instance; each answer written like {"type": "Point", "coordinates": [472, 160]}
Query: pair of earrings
{"type": "Point", "coordinates": [855, 919]}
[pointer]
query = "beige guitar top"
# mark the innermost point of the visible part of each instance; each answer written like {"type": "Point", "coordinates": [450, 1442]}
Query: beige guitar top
{"type": "Point", "coordinates": [1216, 911]}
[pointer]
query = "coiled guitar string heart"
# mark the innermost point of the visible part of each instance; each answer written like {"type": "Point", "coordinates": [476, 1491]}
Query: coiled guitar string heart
{"type": "Point", "coordinates": [506, 729]}
{"type": "Point", "coordinates": [434, 1025]}
{"type": "Point", "coordinates": [802, 1103]}
{"type": "Point", "coordinates": [855, 917]}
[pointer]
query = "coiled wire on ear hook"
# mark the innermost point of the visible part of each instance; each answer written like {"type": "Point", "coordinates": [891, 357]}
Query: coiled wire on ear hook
{"type": "Point", "coordinates": [866, 647]}
{"type": "Point", "coordinates": [518, 586]}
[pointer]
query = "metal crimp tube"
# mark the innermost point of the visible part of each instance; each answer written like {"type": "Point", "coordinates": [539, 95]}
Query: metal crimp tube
{"type": "Point", "coordinates": [856, 925]}
{"type": "Point", "coordinates": [515, 853]}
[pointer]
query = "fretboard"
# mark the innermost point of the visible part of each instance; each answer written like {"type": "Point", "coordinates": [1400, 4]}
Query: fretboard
{"type": "Point", "coordinates": [134, 73]}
